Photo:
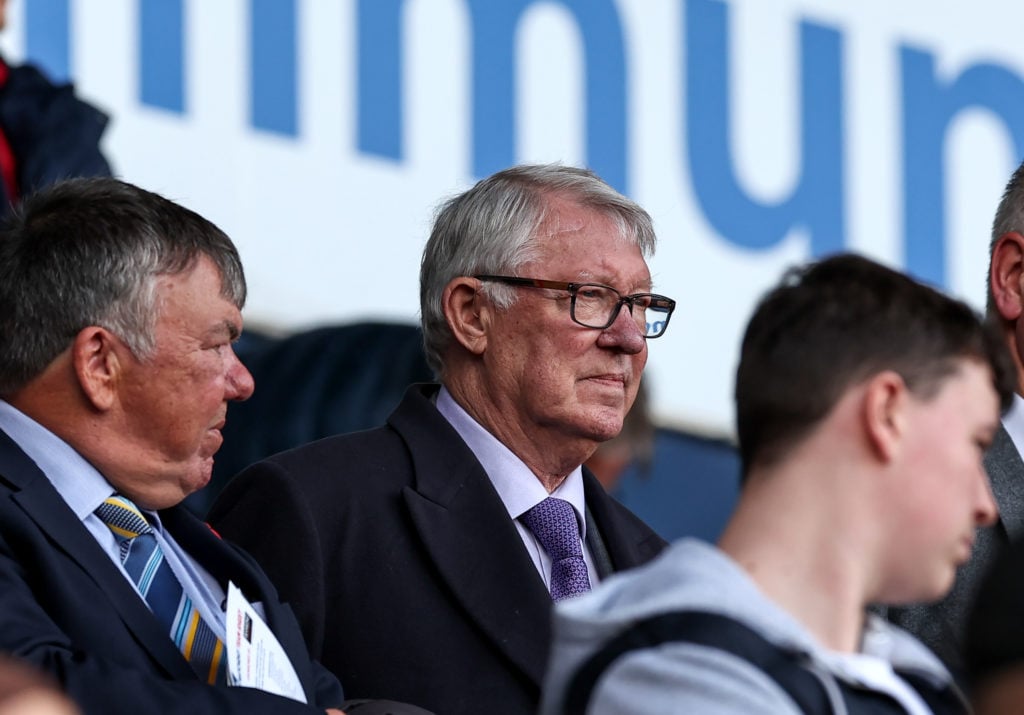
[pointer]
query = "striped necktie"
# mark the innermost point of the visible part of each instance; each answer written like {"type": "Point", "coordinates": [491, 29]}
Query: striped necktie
{"type": "Point", "coordinates": [144, 561]}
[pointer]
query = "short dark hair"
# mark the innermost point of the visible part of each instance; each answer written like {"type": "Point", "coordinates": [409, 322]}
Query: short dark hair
{"type": "Point", "coordinates": [831, 324]}
{"type": "Point", "coordinates": [87, 252]}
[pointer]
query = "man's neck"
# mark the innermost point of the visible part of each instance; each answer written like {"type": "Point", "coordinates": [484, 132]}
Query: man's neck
{"type": "Point", "coordinates": [550, 457]}
{"type": "Point", "coordinates": [810, 562]}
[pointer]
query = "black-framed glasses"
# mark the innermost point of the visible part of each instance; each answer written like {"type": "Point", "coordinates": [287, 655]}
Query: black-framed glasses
{"type": "Point", "coordinates": [594, 305]}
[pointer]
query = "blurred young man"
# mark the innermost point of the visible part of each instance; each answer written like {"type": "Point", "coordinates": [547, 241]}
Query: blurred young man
{"type": "Point", "coordinates": [942, 625]}
{"type": "Point", "coordinates": [865, 402]}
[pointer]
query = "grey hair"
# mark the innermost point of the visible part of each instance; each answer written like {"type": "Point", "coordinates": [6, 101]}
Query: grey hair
{"type": "Point", "coordinates": [492, 228]}
{"type": "Point", "coordinates": [1009, 218]}
{"type": "Point", "coordinates": [89, 252]}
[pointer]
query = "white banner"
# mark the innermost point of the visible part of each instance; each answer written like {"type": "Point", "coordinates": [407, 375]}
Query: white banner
{"type": "Point", "coordinates": [320, 134]}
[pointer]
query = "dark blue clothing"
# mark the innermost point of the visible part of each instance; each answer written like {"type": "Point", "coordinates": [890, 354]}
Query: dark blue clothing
{"type": "Point", "coordinates": [67, 608]}
{"type": "Point", "coordinates": [52, 133]}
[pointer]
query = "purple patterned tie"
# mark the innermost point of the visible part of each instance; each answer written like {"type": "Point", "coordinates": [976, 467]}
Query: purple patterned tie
{"type": "Point", "coordinates": [555, 525]}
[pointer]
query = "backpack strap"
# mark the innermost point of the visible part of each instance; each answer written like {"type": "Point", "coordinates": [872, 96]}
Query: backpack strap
{"type": "Point", "coordinates": [707, 629]}
{"type": "Point", "coordinates": [940, 701]}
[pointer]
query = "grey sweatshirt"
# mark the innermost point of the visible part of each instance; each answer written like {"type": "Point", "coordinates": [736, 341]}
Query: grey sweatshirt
{"type": "Point", "coordinates": [687, 678]}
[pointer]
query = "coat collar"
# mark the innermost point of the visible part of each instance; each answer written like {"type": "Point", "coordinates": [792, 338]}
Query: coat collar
{"type": "Point", "coordinates": [1006, 473]}
{"type": "Point", "coordinates": [469, 536]}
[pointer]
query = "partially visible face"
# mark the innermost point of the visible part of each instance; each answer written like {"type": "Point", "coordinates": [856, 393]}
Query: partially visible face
{"type": "Point", "coordinates": [38, 701]}
{"type": "Point", "coordinates": [174, 404]}
{"type": "Point", "coordinates": [555, 378]}
{"type": "Point", "coordinates": [944, 493]}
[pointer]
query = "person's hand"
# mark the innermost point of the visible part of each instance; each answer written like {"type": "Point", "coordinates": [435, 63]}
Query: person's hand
{"type": "Point", "coordinates": [335, 711]}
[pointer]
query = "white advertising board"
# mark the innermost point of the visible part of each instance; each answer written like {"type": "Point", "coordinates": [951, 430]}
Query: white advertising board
{"type": "Point", "coordinates": [320, 134]}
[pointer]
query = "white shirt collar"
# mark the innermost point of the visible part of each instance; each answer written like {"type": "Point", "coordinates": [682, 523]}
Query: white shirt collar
{"type": "Point", "coordinates": [1013, 422]}
{"type": "Point", "coordinates": [518, 487]}
{"type": "Point", "coordinates": [74, 478]}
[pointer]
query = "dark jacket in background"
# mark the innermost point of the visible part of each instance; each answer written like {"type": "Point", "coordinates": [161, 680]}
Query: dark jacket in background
{"type": "Point", "coordinates": [52, 133]}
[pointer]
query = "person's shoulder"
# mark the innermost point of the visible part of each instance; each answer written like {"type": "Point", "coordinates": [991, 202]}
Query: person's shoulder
{"type": "Point", "coordinates": [685, 576]}
{"type": "Point", "coordinates": [350, 448]}
{"type": "Point", "coordinates": [359, 466]}
{"type": "Point", "coordinates": [411, 431]}
{"type": "Point", "coordinates": [666, 622]}
{"type": "Point", "coordinates": [29, 78]}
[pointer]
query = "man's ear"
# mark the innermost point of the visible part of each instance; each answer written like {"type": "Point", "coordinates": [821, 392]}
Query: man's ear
{"type": "Point", "coordinates": [467, 312]}
{"type": "Point", "coordinates": [1006, 275]}
{"type": "Point", "coordinates": [884, 405]}
{"type": "Point", "coordinates": [97, 365]}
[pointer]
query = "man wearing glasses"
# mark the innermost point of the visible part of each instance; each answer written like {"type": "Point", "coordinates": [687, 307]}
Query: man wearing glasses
{"type": "Point", "coordinates": [422, 558]}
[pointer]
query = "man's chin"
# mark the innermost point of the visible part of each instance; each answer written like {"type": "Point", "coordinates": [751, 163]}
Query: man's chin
{"type": "Point", "coordinates": [199, 476]}
{"type": "Point", "coordinates": [605, 426]}
{"type": "Point", "coordinates": [929, 593]}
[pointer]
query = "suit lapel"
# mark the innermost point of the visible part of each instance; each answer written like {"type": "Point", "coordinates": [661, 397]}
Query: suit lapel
{"type": "Point", "coordinates": [220, 560]}
{"type": "Point", "coordinates": [36, 496]}
{"type": "Point", "coordinates": [228, 563]}
{"type": "Point", "coordinates": [472, 541]}
{"type": "Point", "coordinates": [625, 547]}
{"type": "Point", "coordinates": [1006, 473]}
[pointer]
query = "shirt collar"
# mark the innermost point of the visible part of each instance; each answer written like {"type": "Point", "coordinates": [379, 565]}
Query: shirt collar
{"type": "Point", "coordinates": [1013, 422]}
{"type": "Point", "coordinates": [77, 481]}
{"type": "Point", "coordinates": [518, 487]}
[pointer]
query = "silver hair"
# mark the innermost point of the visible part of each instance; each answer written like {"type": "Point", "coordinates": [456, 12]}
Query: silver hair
{"type": "Point", "coordinates": [89, 252]}
{"type": "Point", "coordinates": [492, 228]}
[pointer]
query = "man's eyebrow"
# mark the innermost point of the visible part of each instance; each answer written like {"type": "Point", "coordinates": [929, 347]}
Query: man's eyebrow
{"type": "Point", "coordinates": [585, 276]}
{"type": "Point", "coordinates": [226, 327]}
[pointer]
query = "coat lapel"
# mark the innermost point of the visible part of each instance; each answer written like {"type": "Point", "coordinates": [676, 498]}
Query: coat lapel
{"type": "Point", "coordinates": [1006, 473]}
{"type": "Point", "coordinates": [220, 560]}
{"type": "Point", "coordinates": [608, 530]}
{"type": "Point", "coordinates": [471, 539]}
{"type": "Point", "coordinates": [36, 496]}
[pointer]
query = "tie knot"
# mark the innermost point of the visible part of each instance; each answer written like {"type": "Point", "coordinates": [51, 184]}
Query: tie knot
{"type": "Point", "coordinates": [123, 517]}
{"type": "Point", "coordinates": [554, 523]}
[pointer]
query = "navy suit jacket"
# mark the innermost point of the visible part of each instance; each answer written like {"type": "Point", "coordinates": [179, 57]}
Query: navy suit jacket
{"type": "Point", "coordinates": [68, 609]}
{"type": "Point", "coordinates": [407, 575]}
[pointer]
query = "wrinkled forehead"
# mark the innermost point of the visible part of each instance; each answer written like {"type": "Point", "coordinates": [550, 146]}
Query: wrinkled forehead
{"type": "Point", "coordinates": [580, 243]}
{"type": "Point", "coordinates": [564, 213]}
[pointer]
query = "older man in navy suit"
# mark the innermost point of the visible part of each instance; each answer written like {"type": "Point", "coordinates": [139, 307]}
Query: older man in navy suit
{"type": "Point", "coordinates": [118, 309]}
{"type": "Point", "coordinates": [423, 557]}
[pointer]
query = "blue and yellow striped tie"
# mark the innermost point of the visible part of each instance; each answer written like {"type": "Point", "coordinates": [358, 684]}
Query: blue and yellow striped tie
{"type": "Point", "coordinates": [144, 561]}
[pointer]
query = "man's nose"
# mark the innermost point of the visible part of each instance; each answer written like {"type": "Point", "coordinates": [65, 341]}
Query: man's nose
{"type": "Point", "coordinates": [624, 332]}
{"type": "Point", "coordinates": [240, 382]}
{"type": "Point", "coordinates": [987, 511]}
